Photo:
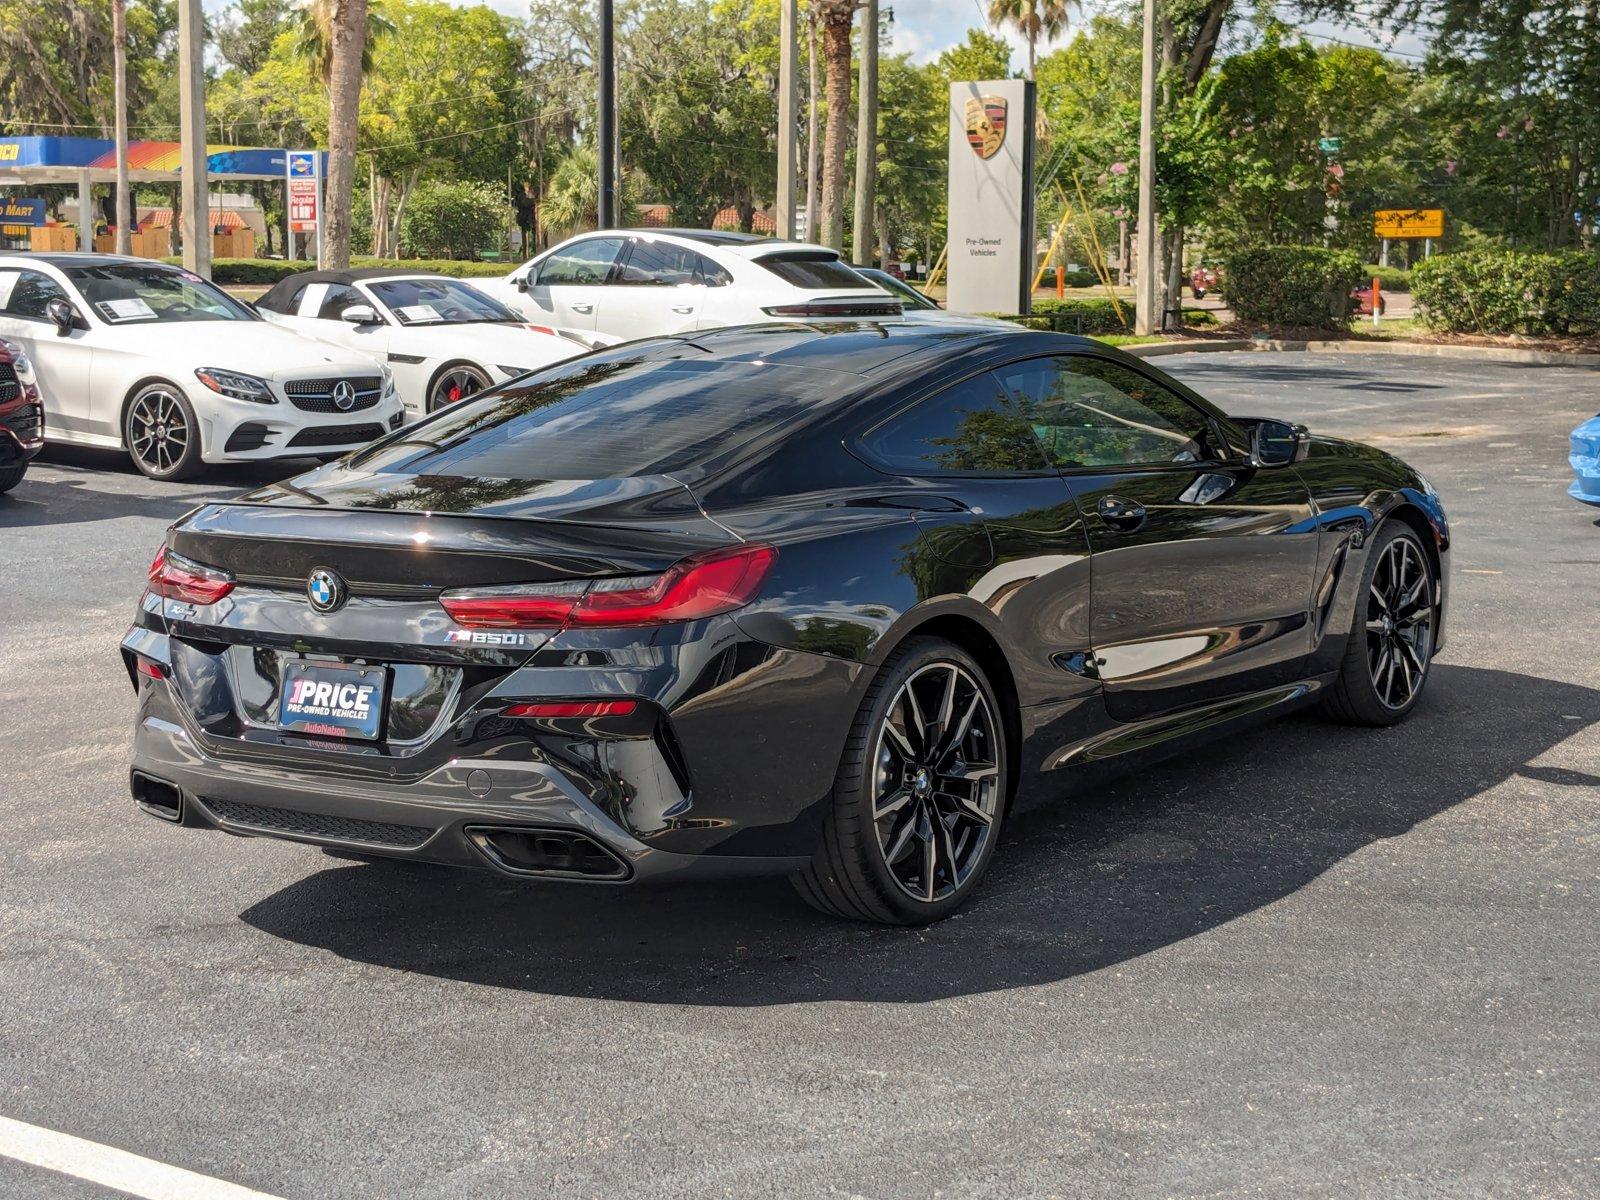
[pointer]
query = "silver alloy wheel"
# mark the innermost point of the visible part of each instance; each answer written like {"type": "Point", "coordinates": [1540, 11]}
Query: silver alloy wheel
{"type": "Point", "coordinates": [158, 431]}
{"type": "Point", "coordinates": [1400, 607]}
{"type": "Point", "coordinates": [936, 782]}
{"type": "Point", "coordinates": [456, 384]}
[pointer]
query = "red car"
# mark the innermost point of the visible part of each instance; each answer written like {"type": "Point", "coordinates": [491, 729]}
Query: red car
{"type": "Point", "coordinates": [21, 415]}
{"type": "Point", "coordinates": [1203, 280]}
{"type": "Point", "coordinates": [1362, 301]}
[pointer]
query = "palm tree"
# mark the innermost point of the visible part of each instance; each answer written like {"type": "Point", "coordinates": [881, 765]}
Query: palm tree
{"type": "Point", "coordinates": [572, 201]}
{"type": "Point", "coordinates": [837, 17]}
{"type": "Point", "coordinates": [1033, 17]}
{"type": "Point", "coordinates": [335, 37]}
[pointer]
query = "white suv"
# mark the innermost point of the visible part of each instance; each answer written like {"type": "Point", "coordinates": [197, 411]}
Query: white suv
{"type": "Point", "coordinates": [632, 283]}
{"type": "Point", "coordinates": [141, 356]}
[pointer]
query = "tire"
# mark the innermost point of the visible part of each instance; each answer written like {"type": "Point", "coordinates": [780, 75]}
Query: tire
{"type": "Point", "coordinates": [160, 431]}
{"type": "Point", "coordinates": [1199, 293]}
{"type": "Point", "coordinates": [1390, 652]}
{"type": "Point", "coordinates": [903, 844]}
{"type": "Point", "coordinates": [455, 381]}
{"type": "Point", "coordinates": [11, 476]}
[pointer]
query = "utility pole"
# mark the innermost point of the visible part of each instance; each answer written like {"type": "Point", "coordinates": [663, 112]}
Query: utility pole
{"type": "Point", "coordinates": [606, 126]}
{"type": "Point", "coordinates": [1145, 315]}
{"type": "Point", "coordinates": [788, 112]}
{"type": "Point", "coordinates": [867, 138]}
{"type": "Point", "coordinates": [193, 181]}
{"type": "Point", "coordinates": [119, 68]}
{"type": "Point", "coordinates": [813, 145]}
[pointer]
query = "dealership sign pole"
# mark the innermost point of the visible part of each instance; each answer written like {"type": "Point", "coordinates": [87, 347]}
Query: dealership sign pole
{"type": "Point", "coordinates": [991, 248]}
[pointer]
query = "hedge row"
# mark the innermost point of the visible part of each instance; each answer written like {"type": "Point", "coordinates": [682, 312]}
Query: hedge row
{"type": "Point", "coordinates": [1090, 317]}
{"type": "Point", "coordinates": [1503, 291]}
{"type": "Point", "coordinates": [236, 271]}
{"type": "Point", "coordinates": [1299, 286]}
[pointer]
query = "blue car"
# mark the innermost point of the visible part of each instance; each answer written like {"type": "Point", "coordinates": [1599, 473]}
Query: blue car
{"type": "Point", "coordinates": [1585, 461]}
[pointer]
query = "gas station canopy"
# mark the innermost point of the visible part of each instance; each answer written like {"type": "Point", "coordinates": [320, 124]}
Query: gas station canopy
{"type": "Point", "coordinates": [35, 160]}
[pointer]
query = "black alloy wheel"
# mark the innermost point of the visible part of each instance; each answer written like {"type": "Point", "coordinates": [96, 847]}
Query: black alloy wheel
{"type": "Point", "coordinates": [1387, 661]}
{"type": "Point", "coordinates": [161, 433]}
{"type": "Point", "coordinates": [456, 382]}
{"type": "Point", "coordinates": [920, 793]}
{"type": "Point", "coordinates": [1400, 623]}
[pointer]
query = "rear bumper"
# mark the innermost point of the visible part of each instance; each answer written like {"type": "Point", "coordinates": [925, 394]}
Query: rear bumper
{"type": "Point", "coordinates": [724, 769]}
{"type": "Point", "coordinates": [455, 815]}
{"type": "Point", "coordinates": [1585, 460]}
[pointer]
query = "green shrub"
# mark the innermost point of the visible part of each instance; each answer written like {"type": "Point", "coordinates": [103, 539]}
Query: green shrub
{"type": "Point", "coordinates": [1078, 316]}
{"type": "Point", "coordinates": [1393, 279]}
{"type": "Point", "coordinates": [233, 272]}
{"type": "Point", "coordinates": [452, 218]}
{"type": "Point", "coordinates": [1306, 286]}
{"type": "Point", "coordinates": [1506, 291]}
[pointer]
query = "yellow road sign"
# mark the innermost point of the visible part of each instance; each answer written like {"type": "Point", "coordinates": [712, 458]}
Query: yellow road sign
{"type": "Point", "coordinates": [1408, 223]}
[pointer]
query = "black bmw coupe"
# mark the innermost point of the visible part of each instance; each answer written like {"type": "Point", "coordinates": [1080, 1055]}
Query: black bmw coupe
{"type": "Point", "coordinates": [829, 601]}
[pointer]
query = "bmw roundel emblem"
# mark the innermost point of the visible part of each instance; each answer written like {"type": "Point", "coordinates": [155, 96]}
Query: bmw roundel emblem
{"type": "Point", "coordinates": [344, 395]}
{"type": "Point", "coordinates": [325, 590]}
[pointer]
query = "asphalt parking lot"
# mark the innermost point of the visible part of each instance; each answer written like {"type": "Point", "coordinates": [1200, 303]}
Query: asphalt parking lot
{"type": "Point", "coordinates": [1311, 961]}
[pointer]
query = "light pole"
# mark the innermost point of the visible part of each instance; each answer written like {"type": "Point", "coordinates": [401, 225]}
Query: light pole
{"type": "Point", "coordinates": [1145, 314]}
{"type": "Point", "coordinates": [119, 55]}
{"type": "Point", "coordinates": [606, 126]}
{"type": "Point", "coordinates": [788, 113]}
{"type": "Point", "coordinates": [867, 138]}
{"type": "Point", "coordinates": [196, 232]}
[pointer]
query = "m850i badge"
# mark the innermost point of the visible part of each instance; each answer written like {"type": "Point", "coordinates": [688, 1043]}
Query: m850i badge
{"type": "Point", "coordinates": [473, 637]}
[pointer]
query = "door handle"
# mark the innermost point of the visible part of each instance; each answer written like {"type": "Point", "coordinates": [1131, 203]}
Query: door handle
{"type": "Point", "coordinates": [684, 309]}
{"type": "Point", "coordinates": [582, 308]}
{"type": "Point", "coordinates": [1120, 514]}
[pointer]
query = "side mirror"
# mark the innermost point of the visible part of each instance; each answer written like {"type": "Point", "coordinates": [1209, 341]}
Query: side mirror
{"type": "Point", "coordinates": [523, 282]}
{"type": "Point", "coordinates": [64, 316]}
{"type": "Point", "coordinates": [1278, 444]}
{"type": "Point", "coordinates": [360, 314]}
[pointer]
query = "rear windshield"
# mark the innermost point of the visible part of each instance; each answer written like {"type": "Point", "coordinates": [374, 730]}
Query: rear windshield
{"type": "Point", "coordinates": [814, 272]}
{"type": "Point", "coordinates": [605, 417]}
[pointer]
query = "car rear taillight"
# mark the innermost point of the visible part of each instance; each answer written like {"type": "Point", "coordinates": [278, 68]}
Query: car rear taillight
{"type": "Point", "coordinates": [701, 586]}
{"type": "Point", "coordinates": [178, 578]}
{"type": "Point", "coordinates": [149, 668]}
{"type": "Point", "coordinates": [841, 308]}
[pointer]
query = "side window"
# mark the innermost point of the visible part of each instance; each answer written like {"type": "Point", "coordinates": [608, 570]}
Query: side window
{"type": "Point", "coordinates": [1088, 412]}
{"type": "Point", "coordinates": [339, 297]}
{"type": "Point", "coordinates": [28, 294]}
{"type": "Point", "coordinates": [972, 428]}
{"type": "Point", "coordinates": [663, 265]}
{"type": "Point", "coordinates": [585, 264]}
{"type": "Point", "coordinates": [291, 305]}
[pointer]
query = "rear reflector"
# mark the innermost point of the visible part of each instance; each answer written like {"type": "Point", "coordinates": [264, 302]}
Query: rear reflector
{"type": "Point", "coordinates": [150, 669]}
{"type": "Point", "coordinates": [700, 586]}
{"type": "Point", "coordinates": [178, 578]}
{"type": "Point", "coordinates": [573, 708]}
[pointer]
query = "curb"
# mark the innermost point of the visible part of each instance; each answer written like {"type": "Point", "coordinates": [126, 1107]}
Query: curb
{"type": "Point", "coordinates": [1502, 354]}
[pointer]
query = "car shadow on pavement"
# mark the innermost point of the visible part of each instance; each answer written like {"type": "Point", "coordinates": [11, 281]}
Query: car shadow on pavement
{"type": "Point", "coordinates": [102, 485]}
{"type": "Point", "coordinates": [1147, 861]}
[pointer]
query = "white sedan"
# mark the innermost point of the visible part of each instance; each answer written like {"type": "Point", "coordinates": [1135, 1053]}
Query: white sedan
{"type": "Point", "coordinates": [633, 283]}
{"type": "Point", "coordinates": [141, 356]}
{"type": "Point", "coordinates": [442, 338]}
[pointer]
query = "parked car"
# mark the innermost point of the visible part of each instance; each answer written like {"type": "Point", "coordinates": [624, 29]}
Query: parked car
{"type": "Point", "coordinates": [646, 282]}
{"type": "Point", "coordinates": [137, 355]}
{"type": "Point", "coordinates": [442, 338]}
{"type": "Point", "coordinates": [1361, 302]}
{"type": "Point", "coordinates": [1585, 459]}
{"type": "Point", "coordinates": [829, 600]}
{"type": "Point", "coordinates": [1203, 279]}
{"type": "Point", "coordinates": [919, 306]}
{"type": "Point", "coordinates": [21, 415]}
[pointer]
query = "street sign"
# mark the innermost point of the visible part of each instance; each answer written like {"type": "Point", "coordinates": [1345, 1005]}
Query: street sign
{"type": "Point", "coordinates": [301, 181]}
{"type": "Point", "coordinates": [1330, 145]}
{"type": "Point", "coordinates": [1408, 223]}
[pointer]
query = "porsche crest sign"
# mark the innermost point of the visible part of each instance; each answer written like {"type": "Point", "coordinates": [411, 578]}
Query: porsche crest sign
{"type": "Point", "coordinates": [986, 124]}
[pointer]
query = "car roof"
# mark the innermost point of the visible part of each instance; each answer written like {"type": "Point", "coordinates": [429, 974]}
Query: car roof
{"type": "Point", "coordinates": [63, 259]}
{"type": "Point", "coordinates": [857, 347]}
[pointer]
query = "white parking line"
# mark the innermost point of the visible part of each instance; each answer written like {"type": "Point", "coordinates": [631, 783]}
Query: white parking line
{"type": "Point", "coordinates": [113, 1168]}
